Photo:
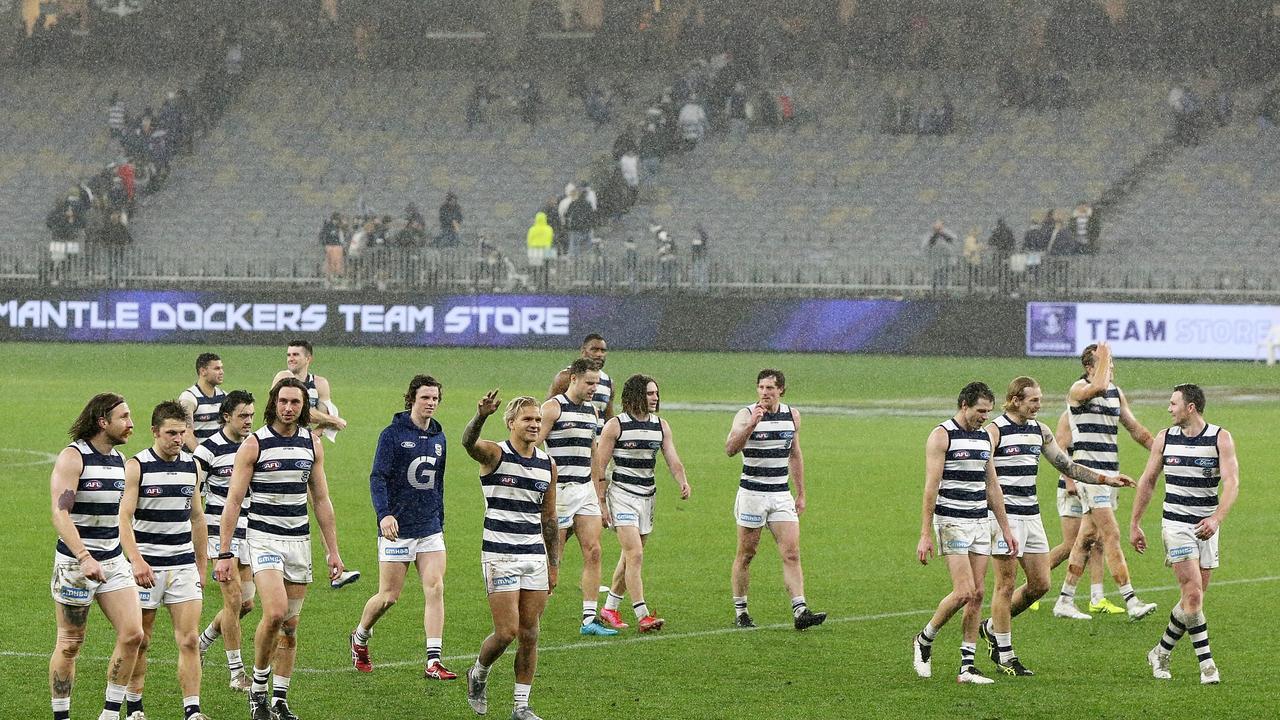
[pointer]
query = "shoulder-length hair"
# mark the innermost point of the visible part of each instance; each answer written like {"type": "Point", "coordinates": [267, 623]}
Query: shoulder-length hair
{"type": "Point", "coordinates": [634, 401]}
{"type": "Point", "coordinates": [99, 406]}
{"type": "Point", "coordinates": [269, 415]}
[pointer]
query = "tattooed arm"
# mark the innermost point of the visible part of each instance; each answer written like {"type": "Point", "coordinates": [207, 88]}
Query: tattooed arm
{"type": "Point", "coordinates": [1058, 458]}
{"type": "Point", "coordinates": [62, 488]}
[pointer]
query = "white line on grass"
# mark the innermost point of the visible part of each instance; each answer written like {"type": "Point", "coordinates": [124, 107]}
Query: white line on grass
{"type": "Point", "coordinates": [606, 644]}
{"type": "Point", "coordinates": [42, 457]}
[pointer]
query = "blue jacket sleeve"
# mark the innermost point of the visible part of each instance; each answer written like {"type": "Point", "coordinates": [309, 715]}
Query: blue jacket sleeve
{"type": "Point", "coordinates": [383, 469]}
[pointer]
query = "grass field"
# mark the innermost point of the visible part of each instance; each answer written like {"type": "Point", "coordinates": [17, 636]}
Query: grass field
{"type": "Point", "coordinates": [864, 468]}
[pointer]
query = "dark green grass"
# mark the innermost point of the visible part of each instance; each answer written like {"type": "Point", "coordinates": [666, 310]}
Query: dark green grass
{"type": "Point", "coordinates": [864, 475]}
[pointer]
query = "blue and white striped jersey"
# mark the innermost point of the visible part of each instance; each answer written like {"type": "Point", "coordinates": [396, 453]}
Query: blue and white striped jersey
{"type": "Point", "coordinates": [207, 417]}
{"type": "Point", "coordinates": [963, 490]}
{"type": "Point", "coordinates": [513, 496]}
{"type": "Point", "coordinates": [635, 454]}
{"type": "Point", "coordinates": [278, 490]}
{"type": "Point", "coordinates": [766, 454]}
{"type": "Point", "coordinates": [571, 439]}
{"type": "Point", "coordinates": [1017, 460]}
{"type": "Point", "coordinates": [1191, 474]}
{"type": "Point", "coordinates": [96, 513]}
{"type": "Point", "coordinates": [162, 519]}
{"type": "Point", "coordinates": [216, 456]}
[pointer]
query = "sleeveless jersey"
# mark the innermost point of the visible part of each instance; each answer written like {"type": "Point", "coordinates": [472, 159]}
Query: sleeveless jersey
{"type": "Point", "coordinates": [1095, 425]}
{"type": "Point", "coordinates": [513, 495]}
{"type": "Point", "coordinates": [1017, 460]}
{"type": "Point", "coordinates": [569, 442]}
{"type": "Point", "coordinates": [635, 454]}
{"type": "Point", "coordinates": [206, 418]}
{"type": "Point", "coordinates": [162, 520]}
{"type": "Point", "coordinates": [1191, 474]}
{"type": "Point", "coordinates": [601, 399]}
{"type": "Point", "coordinates": [216, 456]}
{"type": "Point", "coordinates": [96, 513]}
{"type": "Point", "coordinates": [766, 452]}
{"type": "Point", "coordinates": [963, 490]}
{"type": "Point", "coordinates": [278, 490]}
{"type": "Point", "coordinates": [313, 394]}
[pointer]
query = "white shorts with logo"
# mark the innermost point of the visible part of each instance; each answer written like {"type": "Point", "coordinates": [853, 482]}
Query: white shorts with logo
{"type": "Point", "coordinates": [1069, 505]}
{"type": "Point", "coordinates": [1093, 497]}
{"type": "Point", "coordinates": [292, 558]}
{"type": "Point", "coordinates": [573, 499]}
{"type": "Point", "coordinates": [631, 510]}
{"type": "Point", "coordinates": [1181, 543]}
{"type": "Point", "coordinates": [1028, 530]}
{"type": "Point", "coordinates": [239, 546]}
{"type": "Point", "coordinates": [172, 586]}
{"type": "Point", "coordinates": [406, 549]}
{"type": "Point", "coordinates": [962, 536]}
{"type": "Point", "coordinates": [70, 587]}
{"type": "Point", "coordinates": [753, 509]}
{"type": "Point", "coordinates": [510, 573]}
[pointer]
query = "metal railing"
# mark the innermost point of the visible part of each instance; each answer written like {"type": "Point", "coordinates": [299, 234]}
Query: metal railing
{"type": "Point", "coordinates": [467, 270]}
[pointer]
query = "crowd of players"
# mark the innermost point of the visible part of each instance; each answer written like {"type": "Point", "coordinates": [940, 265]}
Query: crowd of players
{"type": "Point", "coordinates": [139, 534]}
{"type": "Point", "coordinates": [980, 503]}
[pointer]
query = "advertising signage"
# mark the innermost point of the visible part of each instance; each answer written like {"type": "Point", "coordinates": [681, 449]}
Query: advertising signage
{"type": "Point", "coordinates": [1137, 330]}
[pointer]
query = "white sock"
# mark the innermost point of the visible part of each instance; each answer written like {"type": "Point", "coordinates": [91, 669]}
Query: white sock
{"type": "Point", "coordinates": [209, 634]}
{"type": "Point", "coordinates": [1004, 640]}
{"type": "Point", "coordinates": [115, 698]}
{"type": "Point", "coordinates": [260, 678]}
{"type": "Point", "coordinates": [279, 688]}
{"type": "Point", "coordinates": [61, 707]}
{"type": "Point", "coordinates": [480, 671]}
{"type": "Point", "coordinates": [641, 608]}
{"type": "Point", "coordinates": [434, 646]}
{"type": "Point", "coordinates": [1068, 593]}
{"type": "Point", "coordinates": [1096, 593]}
{"type": "Point", "coordinates": [234, 662]}
{"type": "Point", "coordinates": [798, 606]}
{"type": "Point", "coordinates": [589, 611]}
{"type": "Point", "coordinates": [190, 703]}
{"type": "Point", "coordinates": [928, 634]}
{"type": "Point", "coordinates": [740, 605]}
{"type": "Point", "coordinates": [362, 635]}
{"type": "Point", "coordinates": [522, 695]}
{"type": "Point", "coordinates": [612, 602]}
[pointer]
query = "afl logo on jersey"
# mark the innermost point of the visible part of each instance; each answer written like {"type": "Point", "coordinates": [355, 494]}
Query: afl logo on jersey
{"type": "Point", "coordinates": [630, 445]}
{"type": "Point", "coordinates": [153, 491]}
{"type": "Point", "coordinates": [408, 444]}
{"type": "Point", "coordinates": [508, 481]}
{"type": "Point", "coordinates": [960, 455]}
{"type": "Point", "coordinates": [1173, 460]}
{"type": "Point", "coordinates": [1011, 450]}
{"type": "Point", "coordinates": [224, 471]}
{"type": "Point", "coordinates": [92, 485]}
{"type": "Point", "coordinates": [269, 466]}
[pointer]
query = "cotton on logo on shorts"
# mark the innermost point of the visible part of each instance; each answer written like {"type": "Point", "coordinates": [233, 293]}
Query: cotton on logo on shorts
{"type": "Point", "coordinates": [751, 517]}
{"type": "Point", "coordinates": [268, 559]}
{"type": "Point", "coordinates": [627, 516]}
{"type": "Point", "coordinates": [957, 544]}
{"type": "Point", "coordinates": [1180, 553]}
{"type": "Point", "coordinates": [397, 552]}
{"type": "Point", "coordinates": [1101, 498]}
{"type": "Point", "coordinates": [565, 518]}
{"type": "Point", "coordinates": [73, 593]}
{"type": "Point", "coordinates": [506, 581]}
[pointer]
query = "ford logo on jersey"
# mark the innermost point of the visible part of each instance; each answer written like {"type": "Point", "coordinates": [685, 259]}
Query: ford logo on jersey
{"type": "Point", "coordinates": [409, 444]}
{"type": "Point", "coordinates": [1206, 462]}
{"type": "Point", "coordinates": [541, 486]}
{"type": "Point", "coordinates": [302, 464]}
{"type": "Point", "coordinates": [188, 490]}
{"type": "Point", "coordinates": [119, 485]}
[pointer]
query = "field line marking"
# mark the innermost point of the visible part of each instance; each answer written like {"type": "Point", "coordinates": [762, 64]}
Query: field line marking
{"type": "Point", "coordinates": [43, 458]}
{"type": "Point", "coordinates": [605, 644]}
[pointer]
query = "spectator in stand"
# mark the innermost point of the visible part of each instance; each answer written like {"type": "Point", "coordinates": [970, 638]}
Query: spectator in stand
{"type": "Point", "coordinates": [596, 106]}
{"type": "Point", "coordinates": [973, 249]}
{"type": "Point", "coordinates": [1002, 242]}
{"type": "Point", "coordinates": [1036, 239]}
{"type": "Point", "coordinates": [65, 222]}
{"type": "Point", "coordinates": [450, 222]}
{"type": "Point", "coordinates": [579, 219]}
{"type": "Point", "coordinates": [529, 103]}
{"type": "Point", "coordinates": [478, 105]}
{"type": "Point", "coordinates": [414, 232]}
{"type": "Point", "coordinates": [115, 117]}
{"type": "Point", "coordinates": [736, 109]}
{"type": "Point", "coordinates": [538, 241]}
{"type": "Point", "coordinates": [333, 236]}
{"type": "Point", "coordinates": [650, 150]}
{"type": "Point", "coordinates": [1060, 240]}
{"type": "Point", "coordinates": [625, 142]}
{"type": "Point", "coordinates": [630, 262]}
{"type": "Point", "coordinates": [666, 257]}
{"type": "Point", "coordinates": [551, 208]}
{"type": "Point", "coordinates": [1081, 222]}
{"type": "Point", "coordinates": [787, 106]}
{"type": "Point", "coordinates": [941, 245]}
{"type": "Point", "coordinates": [693, 124]}
{"type": "Point", "coordinates": [170, 119]}
{"type": "Point", "coordinates": [629, 166]}
{"type": "Point", "coordinates": [698, 257]}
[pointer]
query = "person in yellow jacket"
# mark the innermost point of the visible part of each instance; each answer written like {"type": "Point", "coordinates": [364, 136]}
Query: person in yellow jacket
{"type": "Point", "coordinates": [539, 241]}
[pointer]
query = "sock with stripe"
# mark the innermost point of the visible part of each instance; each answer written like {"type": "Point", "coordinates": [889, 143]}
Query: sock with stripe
{"type": "Point", "coordinates": [279, 688]}
{"type": "Point", "coordinates": [1096, 593]}
{"type": "Point", "coordinates": [1198, 629]}
{"type": "Point", "coordinates": [739, 605]}
{"type": "Point", "coordinates": [132, 703]}
{"type": "Point", "coordinates": [798, 606]}
{"type": "Point", "coordinates": [967, 651]}
{"type": "Point", "coordinates": [114, 699]}
{"type": "Point", "coordinates": [1004, 645]}
{"type": "Point", "coordinates": [434, 645]}
{"type": "Point", "coordinates": [260, 678]}
{"type": "Point", "coordinates": [208, 636]}
{"type": "Point", "coordinates": [1068, 593]}
{"type": "Point", "coordinates": [234, 663]}
{"type": "Point", "coordinates": [928, 634]}
{"type": "Point", "coordinates": [1130, 597]}
{"type": "Point", "coordinates": [589, 611]}
{"type": "Point", "coordinates": [612, 602]}
{"type": "Point", "coordinates": [522, 695]}
{"type": "Point", "coordinates": [61, 708]}
{"type": "Point", "coordinates": [190, 705]}
{"type": "Point", "coordinates": [362, 635]}
{"type": "Point", "coordinates": [641, 609]}
{"type": "Point", "coordinates": [1174, 631]}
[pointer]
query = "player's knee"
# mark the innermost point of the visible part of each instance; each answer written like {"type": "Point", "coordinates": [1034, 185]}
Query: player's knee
{"type": "Point", "coordinates": [388, 600]}
{"type": "Point", "coordinates": [591, 553]}
{"type": "Point", "coordinates": [790, 554]}
{"type": "Point", "coordinates": [1037, 587]}
{"type": "Point", "coordinates": [273, 617]}
{"type": "Point", "coordinates": [187, 642]}
{"type": "Point", "coordinates": [1191, 600]}
{"type": "Point", "coordinates": [975, 596]}
{"type": "Point", "coordinates": [288, 635]}
{"type": "Point", "coordinates": [528, 634]}
{"type": "Point", "coordinates": [68, 646]}
{"type": "Point", "coordinates": [746, 555]}
{"type": "Point", "coordinates": [433, 587]}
